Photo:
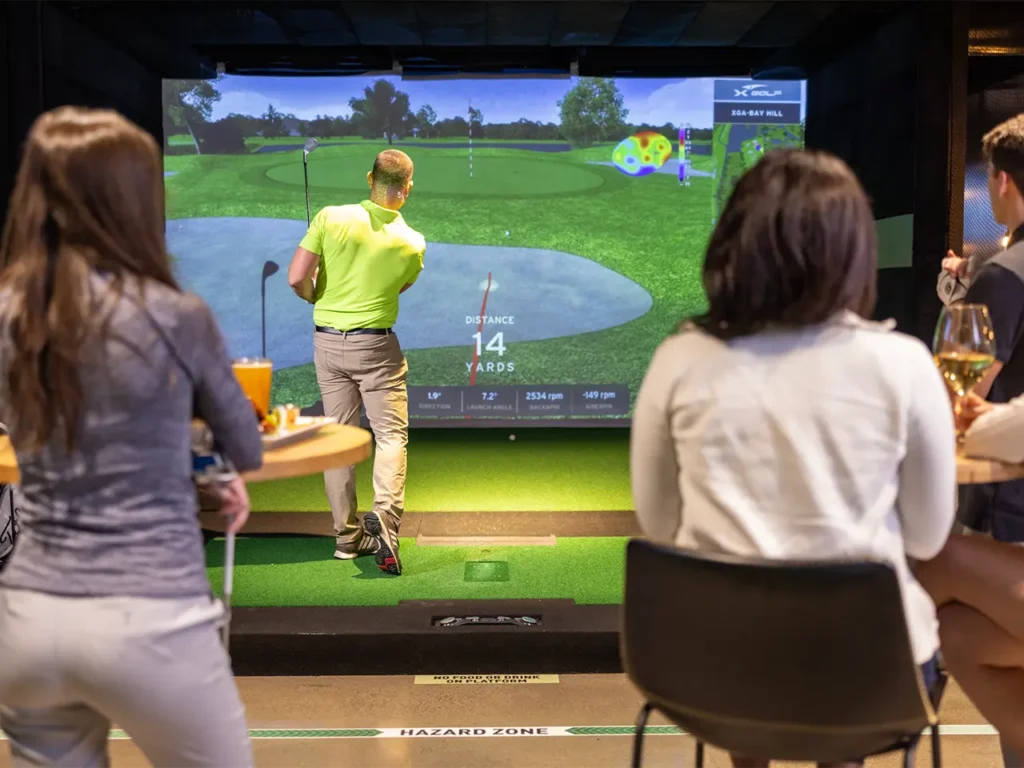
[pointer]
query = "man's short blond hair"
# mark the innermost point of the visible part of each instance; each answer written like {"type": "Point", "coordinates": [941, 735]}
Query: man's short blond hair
{"type": "Point", "coordinates": [392, 168]}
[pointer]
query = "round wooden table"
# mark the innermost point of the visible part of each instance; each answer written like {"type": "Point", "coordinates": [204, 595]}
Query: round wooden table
{"type": "Point", "coordinates": [334, 446]}
{"type": "Point", "coordinates": [970, 471]}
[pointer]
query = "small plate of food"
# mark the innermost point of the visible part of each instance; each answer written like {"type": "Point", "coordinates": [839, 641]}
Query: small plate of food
{"type": "Point", "coordinates": [284, 426]}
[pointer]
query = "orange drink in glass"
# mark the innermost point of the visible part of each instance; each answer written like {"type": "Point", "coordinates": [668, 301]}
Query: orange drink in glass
{"type": "Point", "coordinates": [255, 374]}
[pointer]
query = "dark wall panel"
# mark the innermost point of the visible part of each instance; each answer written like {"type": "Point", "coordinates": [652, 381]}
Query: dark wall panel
{"type": "Point", "coordinates": [48, 59]}
{"type": "Point", "coordinates": [81, 68]}
{"type": "Point", "coordinates": [861, 108]}
{"type": "Point", "coordinates": [21, 85]}
{"type": "Point", "coordinates": [893, 108]}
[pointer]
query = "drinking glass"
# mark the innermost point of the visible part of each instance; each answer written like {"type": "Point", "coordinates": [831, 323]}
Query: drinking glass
{"type": "Point", "coordinates": [964, 348]}
{"type": "Point", "coordinates": [255, 375]}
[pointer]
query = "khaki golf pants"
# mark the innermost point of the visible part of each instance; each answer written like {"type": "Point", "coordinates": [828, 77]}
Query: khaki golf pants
{"type": "Point", "coordinates": [69, 666]}
{"type": "Point", "coordinates": [369, 371]}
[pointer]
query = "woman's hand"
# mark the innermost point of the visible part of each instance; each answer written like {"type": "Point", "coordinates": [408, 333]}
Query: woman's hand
{"type": "Point", "coordinates": [969, 408]}
{"type": "Point", "coordinates": [234, 505]}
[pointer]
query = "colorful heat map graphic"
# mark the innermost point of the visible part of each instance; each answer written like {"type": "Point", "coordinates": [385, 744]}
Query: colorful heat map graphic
{"type": "Point", "coordinates": [642, 153]}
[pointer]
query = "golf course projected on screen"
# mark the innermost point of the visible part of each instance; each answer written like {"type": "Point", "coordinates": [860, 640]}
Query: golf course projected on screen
{"type": "Point", "coordinates": [565, 220]}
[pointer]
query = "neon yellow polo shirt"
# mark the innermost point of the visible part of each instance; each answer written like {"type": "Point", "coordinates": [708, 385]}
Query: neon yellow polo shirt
{"type": "Point", "coordinates": [367, 253]}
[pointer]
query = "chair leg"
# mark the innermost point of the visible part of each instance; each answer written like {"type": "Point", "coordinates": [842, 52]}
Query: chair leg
{"type": "Point", "coordinates": [699, 758]}
{"type": "Point", "coordinates": [936, 747]}
{"type": "Point", "coordinates": [638, 737]}
{"type": "Point", "coordinates": [909, 754]}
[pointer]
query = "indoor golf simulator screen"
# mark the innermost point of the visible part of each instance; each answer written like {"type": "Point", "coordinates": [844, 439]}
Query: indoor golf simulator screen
{"type": "Point", "coordinates": [565, 218]}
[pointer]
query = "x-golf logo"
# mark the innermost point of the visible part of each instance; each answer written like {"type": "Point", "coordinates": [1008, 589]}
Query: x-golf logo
{"type": "Point", "coordinates": [756, 89]}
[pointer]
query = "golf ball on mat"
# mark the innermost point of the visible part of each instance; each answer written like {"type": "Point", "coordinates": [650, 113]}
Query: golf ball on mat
{"type": "Point", "coordinates": [512, 437]}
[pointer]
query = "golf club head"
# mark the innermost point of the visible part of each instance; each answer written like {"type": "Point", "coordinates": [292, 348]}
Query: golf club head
{"type": "Point", "coordinates": [269, 268]}
{"type": "Point", "coordinates": [311, 144]}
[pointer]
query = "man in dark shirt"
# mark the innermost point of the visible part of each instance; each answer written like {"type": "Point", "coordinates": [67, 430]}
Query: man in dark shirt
{"type": "Point", "coordinates": [999, 508]}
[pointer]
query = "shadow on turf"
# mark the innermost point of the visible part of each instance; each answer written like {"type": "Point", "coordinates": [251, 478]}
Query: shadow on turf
{"type": "Point", "coordinates": [368, 569]}
{"type": "Point", "coordinates": [287, 553]}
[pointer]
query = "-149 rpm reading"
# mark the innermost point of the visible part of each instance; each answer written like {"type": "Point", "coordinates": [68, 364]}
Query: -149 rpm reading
{"type": "Point", "coordinates": [963, 371]}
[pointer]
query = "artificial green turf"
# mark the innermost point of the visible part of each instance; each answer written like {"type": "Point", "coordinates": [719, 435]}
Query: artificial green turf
{"type": "Point", "coordinates": [648, 229]}
{"type": "Point", "coordinates": [483, 471]}
{"type": "Point", "coordinates": [301, 572]}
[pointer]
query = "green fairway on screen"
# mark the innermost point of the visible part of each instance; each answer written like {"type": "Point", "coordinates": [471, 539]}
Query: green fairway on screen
{"type": "Point", "coordinates": [565, 220]}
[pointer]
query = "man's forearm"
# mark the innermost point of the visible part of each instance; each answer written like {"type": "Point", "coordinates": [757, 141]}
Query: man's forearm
{"type": "Point", "coordinates": [306, 290]}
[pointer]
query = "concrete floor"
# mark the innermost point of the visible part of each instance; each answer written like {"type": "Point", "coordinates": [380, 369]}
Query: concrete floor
{"type": "Point", "coordinates": [576, 700]}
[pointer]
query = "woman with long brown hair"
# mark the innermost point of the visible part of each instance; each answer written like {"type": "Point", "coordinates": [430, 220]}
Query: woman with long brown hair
{"type": "Point", "coordinates": [106, 613]}
{"type": "Point", "coordinates": [783, 423]}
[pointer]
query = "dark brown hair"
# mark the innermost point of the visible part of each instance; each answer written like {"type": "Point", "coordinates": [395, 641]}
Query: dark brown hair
{"type": "Point", "coordinates": [1003, 146]}
{"type": "Point", "coordinates": [392, 167]}
{"type": "Point", "coordinates": [794, 246]}
{"type": "Point", "coordinates": [88, 198]}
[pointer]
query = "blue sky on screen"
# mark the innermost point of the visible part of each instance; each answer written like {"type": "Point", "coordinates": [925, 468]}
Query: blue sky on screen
{"type": "Point", "coordinates": [502, 100]}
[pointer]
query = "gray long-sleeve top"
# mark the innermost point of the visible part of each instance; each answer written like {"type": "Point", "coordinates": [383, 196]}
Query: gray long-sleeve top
{"type": "Point", "coordinates": [118, 515]}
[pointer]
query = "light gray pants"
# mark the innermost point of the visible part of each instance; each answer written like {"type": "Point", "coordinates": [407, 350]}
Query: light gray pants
{"type": "Point", "coordinates": [71, 666]}
{"type": "Point", "coordinates": [368, 371]}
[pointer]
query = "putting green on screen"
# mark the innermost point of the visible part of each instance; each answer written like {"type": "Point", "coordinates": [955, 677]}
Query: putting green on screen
{"type": "Point", "coordinates": [300, 572]}
{"type": "Point", "coordinates": [447, 172]}
{"type": "Point", "coordinates": [543, 470]}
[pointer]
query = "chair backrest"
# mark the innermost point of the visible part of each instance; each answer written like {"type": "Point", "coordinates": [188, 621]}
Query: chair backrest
{"type": "Point", "coordinates": [779, 660]}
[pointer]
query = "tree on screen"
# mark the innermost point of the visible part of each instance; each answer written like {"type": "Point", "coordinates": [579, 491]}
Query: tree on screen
{"type": "Point", "coordinates": [382, 110]}
{"type": "Point", "coordinates": [592, 111]}
{"type": "Point", "coordinates": [425, 120]}
{"type": "Point", "coordinates": [272, 123]}
{"type": "Point", "coordinates": [451, 128]}
{"type": "Point", "coordinates": [188, 104]}
{"type": "Point", "coordinates": [476, 122]}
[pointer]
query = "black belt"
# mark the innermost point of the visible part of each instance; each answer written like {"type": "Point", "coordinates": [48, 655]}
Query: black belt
{"type": "Point", "coordinates": [355, 331]}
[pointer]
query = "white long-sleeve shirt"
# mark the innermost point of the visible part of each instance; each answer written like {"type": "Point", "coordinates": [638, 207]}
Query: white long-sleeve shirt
{"type": "Point", "coordinates": [831, 442]}
{"type": "Point", "coordinates": [998, 434]}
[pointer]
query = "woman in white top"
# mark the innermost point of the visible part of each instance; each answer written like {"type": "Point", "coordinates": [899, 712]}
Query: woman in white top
{"type": "Point", "coordinates": [784, 424]}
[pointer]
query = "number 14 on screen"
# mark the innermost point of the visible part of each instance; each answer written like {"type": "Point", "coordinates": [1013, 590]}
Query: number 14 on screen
{"type": "Point", "coordinates": [496, 344]}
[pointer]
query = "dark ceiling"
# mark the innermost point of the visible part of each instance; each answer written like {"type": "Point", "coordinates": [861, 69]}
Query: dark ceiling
{"type": "Point", "coordinates": [725, 37]}
{"type": "Point", "coordinates": [781, 38]}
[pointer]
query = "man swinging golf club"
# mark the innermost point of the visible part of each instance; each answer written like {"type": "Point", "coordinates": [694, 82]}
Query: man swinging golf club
{"type": "Point", "coordinates": [366, 256]}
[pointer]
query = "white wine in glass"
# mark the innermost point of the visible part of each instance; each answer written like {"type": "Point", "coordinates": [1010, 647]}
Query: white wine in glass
{"type": "Point", "coordinates": [965, 347]}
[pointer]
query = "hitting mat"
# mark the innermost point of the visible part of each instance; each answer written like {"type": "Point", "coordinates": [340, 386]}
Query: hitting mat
{"type": "Point", "coordinates": [300, 572]}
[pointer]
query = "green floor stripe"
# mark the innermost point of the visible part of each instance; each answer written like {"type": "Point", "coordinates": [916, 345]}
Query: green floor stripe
{"type": "Point", "coordinates": [531, 731]}
{"type": "Point", "coordinates": [623, 730]}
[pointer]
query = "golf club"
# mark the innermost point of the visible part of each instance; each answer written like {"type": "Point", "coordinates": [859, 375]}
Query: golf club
{"type": "Point", "coordinates": [229, 586]}
{"type": "Point", "coordinates": [310, 145]}
{"type": "Point", "coordinates": [269, 268]}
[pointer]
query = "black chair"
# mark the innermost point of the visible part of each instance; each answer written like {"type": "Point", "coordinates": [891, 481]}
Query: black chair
{"type": "Point", "coordinates": [777, 660]}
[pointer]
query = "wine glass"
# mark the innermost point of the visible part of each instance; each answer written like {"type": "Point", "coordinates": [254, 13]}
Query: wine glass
{"type": "Point", "coordinates": [964, 348]}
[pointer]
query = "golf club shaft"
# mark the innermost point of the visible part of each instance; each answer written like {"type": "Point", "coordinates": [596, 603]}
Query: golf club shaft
{"type": "Point", "coordinates": [263, 317]}
{"type": "Point", "coordinates": [305, 179]}
{"type": "Point", "coordinates": [229, 585]}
